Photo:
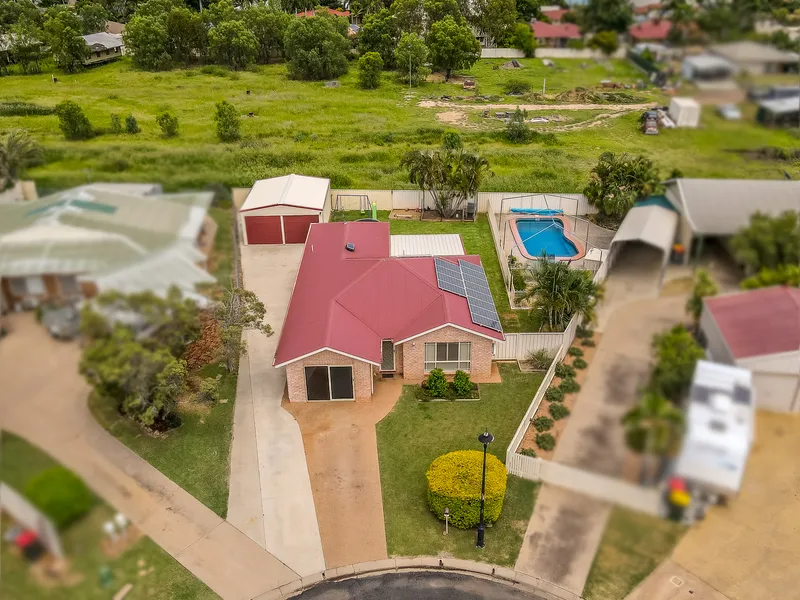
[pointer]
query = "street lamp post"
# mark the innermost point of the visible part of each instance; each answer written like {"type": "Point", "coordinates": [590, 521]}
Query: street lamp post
{"type": "Point", "coordinates": [485, 438]}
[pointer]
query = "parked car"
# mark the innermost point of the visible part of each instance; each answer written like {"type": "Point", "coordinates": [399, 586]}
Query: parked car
{"type": "Point", "coordinates": [729, 112]}
{"type": "Point", "coordinates": [650, 123]}
{"type": "Point", "coordinates": [62, 323]}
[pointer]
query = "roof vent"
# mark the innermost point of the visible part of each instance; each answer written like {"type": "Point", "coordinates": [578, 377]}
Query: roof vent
{"type": "Point", "coordinates": [350, 247]}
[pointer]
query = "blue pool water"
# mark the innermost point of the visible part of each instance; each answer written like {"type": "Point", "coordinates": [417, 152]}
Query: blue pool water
{"type": "Point", "coordinates": [547, 235]}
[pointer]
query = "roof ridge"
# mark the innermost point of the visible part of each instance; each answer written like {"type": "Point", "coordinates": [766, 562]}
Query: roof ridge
{"type": "Point", "coordinates": [285, 191]}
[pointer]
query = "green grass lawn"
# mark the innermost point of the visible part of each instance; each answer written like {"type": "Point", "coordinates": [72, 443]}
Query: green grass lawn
{"type": "Point", "coordinates": [415, 433]}
{"type": "Point", "coordinates": [632, 546]}
{"type": "Point", "coordinates": [81, 542]}
{"type": "Point", "coordinates": [356, 137]}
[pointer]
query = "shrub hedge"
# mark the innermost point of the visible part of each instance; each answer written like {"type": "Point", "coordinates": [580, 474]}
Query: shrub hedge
{"type": "Point", "coordinates": [436, 383]}
{"type": "Point", "coordinates": [545, 441]}
{"type": "Point", "coordinates": [558, 411]}
{"type": "Point", "coordinates": [542, 424]}
{"type": "Point", "coordinates": [569, 385]}
{"type": "Point", "coordinates": [563, 371]}
{"type": "Point", "coordinates": [59, 494]}
{"type": "Point", "coordinates": [454, 482]}
{"type": "Point", "coordinates": [575, 351]}
{"type": "Point", "coordinates": [588, 342]}
{"type": "Point", "coordinates": [462, 385]}
{"type": "Point", "coordinates": [579, 363]}
{"type": "Point", "coordinates": [554, 394]}
{"type": "Point", "coordinates": [528, 452]}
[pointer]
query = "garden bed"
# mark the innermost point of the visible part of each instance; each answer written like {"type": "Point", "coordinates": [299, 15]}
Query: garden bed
{"type": "Point", "coordinates": [424, 395]}
{"type": "Point", "coordinates": [529, 443]}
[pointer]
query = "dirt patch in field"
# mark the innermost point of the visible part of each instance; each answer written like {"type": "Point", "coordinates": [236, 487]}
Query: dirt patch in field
{"type": "Point", "coordinates": [439, 78]}
{"type": "Point", "coordinates": [452, 117]}
{"type": "Point", "coordinates": [512, 107]}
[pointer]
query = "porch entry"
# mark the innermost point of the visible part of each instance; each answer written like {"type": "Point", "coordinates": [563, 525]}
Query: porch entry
{"type": "Point", "coordinates": [387, 356]}
{"type": "Point", "coordinates": [329, 383]}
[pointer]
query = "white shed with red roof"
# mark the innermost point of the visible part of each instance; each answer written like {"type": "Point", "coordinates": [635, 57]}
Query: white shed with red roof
{"type": "Point", "coordinates": [280, 210]}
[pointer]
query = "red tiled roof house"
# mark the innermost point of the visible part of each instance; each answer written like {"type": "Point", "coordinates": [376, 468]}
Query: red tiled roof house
{"type": "Point", "coordinates": [555, 35]}
{"type": "Point", "coordinates": [759, 330]}
{"type": "Point", "coordinates": [652, 30]}
{"type": "Point", "coordinates": [358, 313]}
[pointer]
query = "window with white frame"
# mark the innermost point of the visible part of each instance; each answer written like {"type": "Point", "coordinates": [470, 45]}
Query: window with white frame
{"type": "Point", "coordinates": [448, 356]}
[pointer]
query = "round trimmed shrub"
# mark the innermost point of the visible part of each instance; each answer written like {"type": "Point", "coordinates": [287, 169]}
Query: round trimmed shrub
{"type": "Point", "coordinates": [558, 411]}
{"type": "Point", "coordinates": [462, 385]}
{"type": "Point", "coordinates": [553, 394]}
{"type": "Point", "coordinates": [583, 332]}
{"type": "Point", "coordinates": [436, 384]}
{"type": "Point", "coordinates": [59, 494]}
{"type": "Point", "coordinates": [563, 371]}
{"type": "Point", "coordinates": [579, 363]}
{"type": "Point", "coordinates": [575, 351]}
{"type": "Point", "coordinates": [588, 342]}
{"type": "Point", "coordinates": [569, 385]}
{"type": "Point", "coordinates": [542, 424]}
{"type": "Point", "coordinates": [528, 452]}
{"type": "Point", "coordinates": [545, 441]}
{"type": "Point", "coordinates": [454, 482]}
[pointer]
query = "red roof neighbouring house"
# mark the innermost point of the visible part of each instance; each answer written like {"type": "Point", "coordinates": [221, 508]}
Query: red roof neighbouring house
{"type": "Point", "coordinates": [643, 10]}
{"type": "Point", "coordinates": [543, 31]}
{"type": "Point", "coordinates": [652, 29]}
{"type": "Point", "coordinates": [555, 14]}
{"type": "Point", "coordinates": [333, 11]}
{"type": "Point", "coordinates": [349, 302]}
{"type": "Point", "coordinates": [759, 322]}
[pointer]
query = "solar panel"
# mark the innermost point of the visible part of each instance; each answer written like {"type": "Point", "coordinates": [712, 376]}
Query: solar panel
{"type": "Point", "coordinates": [479, 296]}
{"type": "Point", "coordinates": [448, 276]}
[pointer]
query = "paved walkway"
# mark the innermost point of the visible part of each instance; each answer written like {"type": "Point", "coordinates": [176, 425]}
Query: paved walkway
{"type": "Point", "coordinates": [43, 400]}
{"type": "Point", "coordinates": [270, 492]}
{"type": "Point", "coordinates": [342, 453]}
{"type": "Point", "coordinates": [670, 581]}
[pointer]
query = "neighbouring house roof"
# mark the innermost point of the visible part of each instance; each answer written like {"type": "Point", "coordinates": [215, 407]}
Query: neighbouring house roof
{"type": "Point", "coordinates": [442, 244]}
{"type": "Point", "coordinates": [758, 322]}
{"type": "Point", "coordinates": [104, 39]}
{"type": "Point", "coordinates": [781, 106]}
{"type": "Point", "coordinates": [554, 14]}
{"type": "Point", "coordinates": [652, 29]}
{"type": "Point", "coordinates": [348, 302]}
{"type": "Point", "coordinates": [649, 223]}
{"type": "Point", "coordinates": [542, 30]}
{"type": "Point", "coordinates": [753, 52]}
{"type": "Point", "coordinates": [719, 427]}
{"type": "Point", "coordinates": [114, 27]}
{"type": "Point", "coordinates": [333, 11]}
{"type": "Point", "coordinates": [102, 229]}
{"type": "Point", "coordinates": [289, 190]}
{"type": "Point", "coordinates": [723, 206]}
{"type": "Point", "coordinates": [646, 8]}
{"type": "Point", "coordinates": [709, 62]}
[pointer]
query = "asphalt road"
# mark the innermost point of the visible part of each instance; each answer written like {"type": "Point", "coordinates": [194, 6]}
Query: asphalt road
{"type": "Point", "coordinates": [415, 586]}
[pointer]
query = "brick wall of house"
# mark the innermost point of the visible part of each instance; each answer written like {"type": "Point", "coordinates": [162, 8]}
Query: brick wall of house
{"type": "Point", "coordinates": [414, 352]}
{"type": "Point", "coordinates": [296, 378]}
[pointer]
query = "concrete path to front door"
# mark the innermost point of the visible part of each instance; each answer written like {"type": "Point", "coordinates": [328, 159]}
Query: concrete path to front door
{"type": "Point", "coordinates": [342, 452]}
{"type": "Point", "coordinates": [270, 496]}
{"type": "Point", "coordinates": [43, 400]}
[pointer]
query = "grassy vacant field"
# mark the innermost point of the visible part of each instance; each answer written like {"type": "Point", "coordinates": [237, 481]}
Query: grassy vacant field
{"type": "Point", "coordinates": [415, 433]}
{"type": "Point", "coordinates": [632, 546]}
{"type": "Point", "coordinates": [81, 542]}
{"type": "Point", "coordinates": [353, 136]}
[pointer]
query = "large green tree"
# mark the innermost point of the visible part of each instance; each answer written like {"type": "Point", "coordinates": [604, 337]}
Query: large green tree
{"type": "Point", "coordinates": [369, 70]}
{"type": "Point", "coordinates": [239, 311]}
{"type": "Point", "coordinates": [18, 151]}
{"type": "Point", "coordinates": [147, 41]}
{"type": "Point", "coordinates": [411, 58]}
{"type": "Point", "coordinates": [495, 18]}
{"type": "Point", "coordinates": [269, 26]}
{"type": "Point", "coordinates": [409, 15]}
{"type": "Point", "coordinates": [618, 181]}
{"type": "Point", "coordinates": [768, 242]}
{"type": "Point", "coordinates": [676, 354]}
{"type": "Point", "coordinates": [436, 10]}
{"type": "Point", "coordinates": [232, 44]}
{"type": "Point", "coordinates": [63, 31]}
{"type": "Point", "coordinates": [315, 49]}
{"type": "Point", "coordinates": [93, 16]}
{"type": "Point", "coordinates": [379, 34]}
{"type": "Point", "coordinates": [452, 45]}
{"type": "Point", "coordinates": [607, 15]}
{"type": "Point", "coordinates": [26, 44]}
{"type": "Point", "coordinates": [653, 428]}
{"type": "Point", "coordinates": [187, 35]}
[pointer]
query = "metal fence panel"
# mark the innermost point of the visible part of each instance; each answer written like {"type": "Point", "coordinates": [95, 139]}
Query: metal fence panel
{"type": "Point", "coordinates": [25, 513]}
{"type": "Point", "coordinates": [517, 346]}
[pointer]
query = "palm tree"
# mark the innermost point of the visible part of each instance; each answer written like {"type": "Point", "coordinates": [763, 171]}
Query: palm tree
{"type": "Point", "coordinates": [17, 152]}
{"type": "Point", "coordinates": [558, 292]}
{"type": "Point", "coordinates": [653, 427]}
{"type": "Point", "coordinates": [468, 175]}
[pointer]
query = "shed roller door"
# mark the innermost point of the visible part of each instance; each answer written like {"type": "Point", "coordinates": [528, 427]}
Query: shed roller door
{"type": "Point", "coordinates": [263, 230]}
{"type": "Point", "coordinates": [295, 227]}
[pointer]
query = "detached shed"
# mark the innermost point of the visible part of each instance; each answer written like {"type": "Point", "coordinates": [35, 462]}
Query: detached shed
{"type": "Point", "coordinates": [685, 112]}
{"type": "Point", "coordinates": [281, 210]}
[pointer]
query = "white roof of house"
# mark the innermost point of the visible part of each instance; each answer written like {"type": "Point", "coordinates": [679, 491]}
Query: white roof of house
{"type": "Point", "coordinates": [289, 190]}
{"type": "Point", "coordinates": [723, 206]}
{"type": "Point", "coordinates": [684, 102]}
{"type": "Point", "coordinates": [719, 428]}
{"type": "Point", "coordinates": [781, 105]}
{"type": "Point", "coordinates": [107, 40]}
{"type": "Point", "coordinates": [444, 244]}
{"type": "Point", "coordinates": [652, 224]}
{"type": "Point", "coordinates": [702, 62]}
{"type": "Point", "coordinates": [753, 52]}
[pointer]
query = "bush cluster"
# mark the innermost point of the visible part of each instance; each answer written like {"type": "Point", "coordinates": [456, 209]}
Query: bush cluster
{"type": "Point", "coordinates": [554, 394]}
{"type": "Point", "coordinates": [528, 452]}
{"type": "Point", "coordinates": [575, 351]}
{"type": "Point", "coordinates": [59, 494]}
{"type": "Point", "coordinates": [579, 363]}
{"type": "Point", "coordinates": [540, 359]}
{"type": "Point", "coordinates": [588, 342]}
{"type": "Point", "coordinates": [545, 441]}
{"type": "Point", "coordinates": [558, 411]}
{"type": "Point", "coordinates": [563, 371]}
{"type": "Point", "coordinates": [542, 424]}
{"type": "Point", "coordinates": [454, 482]}
{"type": "Point", "coordinates": [569, 385]}
{"type": "Point", "coordinates": [583, 332]}
{"type": "Point", "coordinates": [436, 386]}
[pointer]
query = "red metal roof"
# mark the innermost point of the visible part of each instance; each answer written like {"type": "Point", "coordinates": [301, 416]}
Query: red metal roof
{"type": "Point", "coordinates": [759, 322]}
{"type": "Point", "coordinates": [351, 301]}
{"type": "Point", "coordinates": [333, 11]}
{"type": "Point", "coordinates": [555, 14]}
{"type": "Point", "coordinates": [542, 30]}
{"type": "Point", "coordinates": [643, 10]}
{"type": "Point", "coordinates": [652, 29]}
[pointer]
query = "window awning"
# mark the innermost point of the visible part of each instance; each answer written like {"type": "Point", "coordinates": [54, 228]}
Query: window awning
{"type": "Point", "coordinates": [651, 224]}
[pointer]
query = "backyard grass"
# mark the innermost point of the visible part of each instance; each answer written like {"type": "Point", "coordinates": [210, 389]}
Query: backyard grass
{"type": "Point", "coordinates": [355, 137]}
{"type": "Point", "coordinates": [415, 433]}
{"type": "Point", "coordinates": [632, 546]}
{"type": "Point", "coordinates": [81, 542]}
{"type": "Point", "coordinates": [222, 256]}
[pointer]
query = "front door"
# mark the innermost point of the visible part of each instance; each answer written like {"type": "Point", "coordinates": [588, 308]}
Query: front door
{"type": "Point", "coordinates": [329, 383]}
{"type": "Point", "coordinates": [387, 356]}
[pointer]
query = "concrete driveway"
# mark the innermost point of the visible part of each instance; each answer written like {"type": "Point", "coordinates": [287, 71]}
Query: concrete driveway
{"type": "Point", "coordinates": [270, 495]}
{"type": "Point", "coordinates": [43, 400]}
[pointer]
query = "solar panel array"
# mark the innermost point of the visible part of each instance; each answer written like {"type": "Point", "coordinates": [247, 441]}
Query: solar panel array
{"type": "Point", "coordinates": [479, 296]}
{"type": "Point", "coordinates": [469, 281]}
{"type": "Point", "coordinates": [448, 276]}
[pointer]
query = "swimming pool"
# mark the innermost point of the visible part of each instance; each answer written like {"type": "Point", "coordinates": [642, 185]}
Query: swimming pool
{"type": "Point", "coordinates": [545, 234]}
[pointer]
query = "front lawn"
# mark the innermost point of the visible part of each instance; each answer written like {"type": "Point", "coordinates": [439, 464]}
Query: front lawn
{"type": "Point", "coordinates": [415, 433]}
{"type": "Point", "coordinates": [632, 546]}
{"type": "Point", "coordinates": [167, 580]}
